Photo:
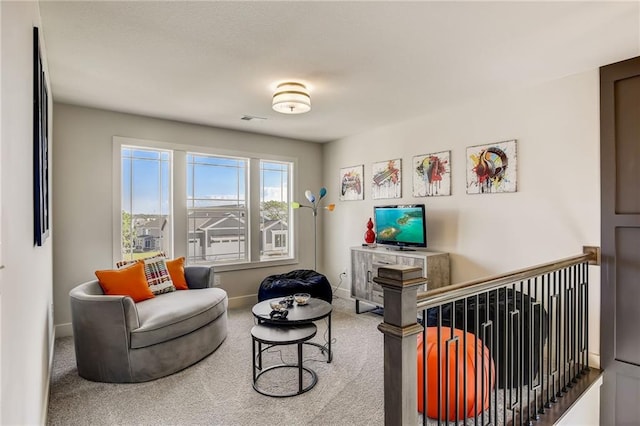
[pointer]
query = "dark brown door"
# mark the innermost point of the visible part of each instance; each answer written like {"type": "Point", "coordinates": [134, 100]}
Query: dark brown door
{"type": "Point", "coordinates": [620, 280]}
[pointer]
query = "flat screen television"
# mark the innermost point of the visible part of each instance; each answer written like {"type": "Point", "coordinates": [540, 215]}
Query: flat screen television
{"type": "Point", "coordinates": [401, 226]}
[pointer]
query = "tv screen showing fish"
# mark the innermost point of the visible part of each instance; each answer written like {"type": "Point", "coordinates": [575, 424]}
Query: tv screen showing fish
{"type": "Point", "coordinates": [401, 226]}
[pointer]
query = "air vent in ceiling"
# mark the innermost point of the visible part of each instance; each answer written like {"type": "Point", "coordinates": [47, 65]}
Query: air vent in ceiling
{"type": "Point", "coordinates": [252, 118]}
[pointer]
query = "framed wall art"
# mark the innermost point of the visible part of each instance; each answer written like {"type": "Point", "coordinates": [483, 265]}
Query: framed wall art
{"type": "Point", "coordinates": [386, 181]}
{"type": "Point", "coordinates": [492, 168]}
{"type": "Point", "coordinates": [351, 183]}
{"type": "Point", "coordinates": [432, 174]}
{"type": "Point", "coordinates": [40, 147]}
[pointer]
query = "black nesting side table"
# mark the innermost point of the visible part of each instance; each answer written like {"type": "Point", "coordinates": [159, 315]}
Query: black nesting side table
{"type": "Point", "coordinates": [274, 335]}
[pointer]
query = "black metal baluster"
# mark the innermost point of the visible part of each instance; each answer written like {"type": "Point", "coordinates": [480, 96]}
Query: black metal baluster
{"type": "Point", "coordinates": [509, 348]}
{"type": "Point", "coordinates": [439, 347]}
{"type": "Point", "coordinates": [464, 361]}
{"type": "Point", "coordinates": [570, 329]}
{"type": "Point", "coordinates": [556, 372]}
{"type": "Point", "coordinates": [456, 341]}
{"type": "Point", "coordinates": [475, 332]}
{"type": "Point", "coordinates": [585, 267]}
{"type": "Point", "coordinates": [484, 345]}
{"type": "Point", "coordinates": [447, 377]}
{"type": "Point", "coordinates": [514, 326]}
{"type": "Point", "coordinates": [583, 306]}
{"type": "Point", "coordinates": [576, 321]}
{"type": "Point", "coordinates": [550, 349]}
{"type": "Point", "coordinates": [495, 319]}
{"type": "Point", "coordinates": [533, 335]}
{"type": "Point", "coordinates": [544, 330]}
{"type": "Point", "coordinates": [565, 324]}
{"type": "Point", "coordinates": [424, 367]}
{"type": "Point", "coordinates": [559, 325]}
{"type": "Point", "coordinates": [579, 323]}
{"type": "Point", "coordinates": [520, 345]}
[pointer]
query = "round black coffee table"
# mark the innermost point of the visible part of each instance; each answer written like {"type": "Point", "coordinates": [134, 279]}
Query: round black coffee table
{"type": "Point", "coordinates": [315, 309]}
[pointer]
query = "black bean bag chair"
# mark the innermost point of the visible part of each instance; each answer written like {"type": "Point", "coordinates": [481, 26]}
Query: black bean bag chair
{"type": "Point", "coordinates": [297, 281]}
{"type": "Point", "coordinates": [507, 302]}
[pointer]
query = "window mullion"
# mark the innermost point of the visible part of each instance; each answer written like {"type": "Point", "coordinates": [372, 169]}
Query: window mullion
{"type": "Point", "coordinates": [178, 203]}
{"type": "Point", "coordinates": [253, 207]}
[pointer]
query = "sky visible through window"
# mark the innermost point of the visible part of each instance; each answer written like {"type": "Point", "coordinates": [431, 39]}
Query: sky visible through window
{"type": "Point", "coordinates": [215, 181]}
{"type": "Point", "coordinates": [146, 180]}
{"type": "Point", "coordinates": [274, 181]}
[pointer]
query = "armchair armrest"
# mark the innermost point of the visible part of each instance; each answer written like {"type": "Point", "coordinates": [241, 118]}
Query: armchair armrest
{"type": "Point", "coordinates": [199, 276]}
{"type": "Point", "coordinates": [101, 329]}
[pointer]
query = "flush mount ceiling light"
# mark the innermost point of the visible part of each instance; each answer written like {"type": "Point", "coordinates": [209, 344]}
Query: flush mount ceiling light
{"type": "Point", "coordinates": [291, 98]}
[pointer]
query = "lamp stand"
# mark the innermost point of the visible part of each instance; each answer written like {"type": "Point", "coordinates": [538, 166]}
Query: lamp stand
{"type": "Point", "coordinates": [315, 240]}
{"type": "Point", "coordinates": [315, 203]}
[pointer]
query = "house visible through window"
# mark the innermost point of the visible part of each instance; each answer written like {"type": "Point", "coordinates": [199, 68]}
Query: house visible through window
{"type": "Point", "coordinates": [211, 198]}
{"type": "Point", "coordinates": [274, 209]}
{"type": "Point", "coordinates": [217, 208]}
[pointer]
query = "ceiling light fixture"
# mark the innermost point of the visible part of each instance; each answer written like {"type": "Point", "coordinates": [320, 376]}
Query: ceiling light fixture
{"type": "Point", "coordinates": [291, 98]}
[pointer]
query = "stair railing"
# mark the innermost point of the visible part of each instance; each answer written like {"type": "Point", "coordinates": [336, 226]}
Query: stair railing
{"type": "Point", "coordinates": [508, 349]}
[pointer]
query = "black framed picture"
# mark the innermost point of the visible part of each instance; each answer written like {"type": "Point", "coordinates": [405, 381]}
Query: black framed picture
{"type": "Point", "coordinates": [40, 147]}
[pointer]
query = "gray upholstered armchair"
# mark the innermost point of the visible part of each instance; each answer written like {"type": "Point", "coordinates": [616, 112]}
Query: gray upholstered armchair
{"type": "Point", "coordinates": [117, 340]}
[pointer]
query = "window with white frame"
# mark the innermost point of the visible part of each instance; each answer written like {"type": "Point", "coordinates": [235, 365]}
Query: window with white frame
{"type": "Point", "coordinates": [145, 202]}
{"type": "Point", "coordinates": [220, 219]}
{"type": "Point", "coordinates": [217, 209]}
{"type": "Point", "coordinates": [274, 209]}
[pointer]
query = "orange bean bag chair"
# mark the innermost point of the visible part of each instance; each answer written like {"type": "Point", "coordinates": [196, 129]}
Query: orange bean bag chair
{"type": "Point", "coordinates": [475, 374]}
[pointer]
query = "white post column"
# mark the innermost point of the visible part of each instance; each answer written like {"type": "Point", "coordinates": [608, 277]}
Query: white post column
{"type": "Point", "coordinates": [400, 328]}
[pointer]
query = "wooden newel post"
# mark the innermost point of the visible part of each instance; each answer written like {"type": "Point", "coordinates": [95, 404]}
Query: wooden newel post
{"type": "Point", "coordinates": [400, 328]}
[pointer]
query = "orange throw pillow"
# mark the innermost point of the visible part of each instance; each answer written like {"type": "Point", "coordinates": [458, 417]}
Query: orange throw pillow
{"type": "Point", "coordinates": [176, 272]}
{"type": "Point", "coordinates": [129, 281]}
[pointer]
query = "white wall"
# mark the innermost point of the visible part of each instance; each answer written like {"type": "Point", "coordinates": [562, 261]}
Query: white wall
{"type": "Point", "coordinates": [83, 193]}
{"type": "Point", "coordinates": [1, 258]}
{"type": "Point", "coordinates": [555, 211]}
{"type": "Point", "coordinates": [26, 332]}
{"type": "Point", "coordinates": [586, 410]}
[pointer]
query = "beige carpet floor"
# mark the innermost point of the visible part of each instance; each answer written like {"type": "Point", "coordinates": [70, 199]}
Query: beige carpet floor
{"type": "Point", "coordinates": [218, 390]}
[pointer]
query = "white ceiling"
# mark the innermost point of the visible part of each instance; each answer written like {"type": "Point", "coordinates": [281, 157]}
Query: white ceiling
{"type": "Point", "coordinates": [368, 64]}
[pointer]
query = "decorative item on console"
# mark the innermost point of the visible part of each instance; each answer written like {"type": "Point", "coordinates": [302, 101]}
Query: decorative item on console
{"type": "Point", "coordinates": [369, 235]}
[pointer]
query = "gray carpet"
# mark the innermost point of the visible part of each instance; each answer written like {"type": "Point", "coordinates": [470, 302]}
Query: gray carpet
{"type": "Point", "coordinates": [218, 390]}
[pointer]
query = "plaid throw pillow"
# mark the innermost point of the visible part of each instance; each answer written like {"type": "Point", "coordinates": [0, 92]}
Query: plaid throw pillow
{"type": "Point", "coordinates": [122, 263]}
{"type": "Point", "coordinates": [156, 272]}
{"type": "Point", "coordinates": [158, 278]}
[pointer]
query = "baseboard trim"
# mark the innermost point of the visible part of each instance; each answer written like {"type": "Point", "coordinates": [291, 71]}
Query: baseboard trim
{"type": "Point", "coordinates": [243, 301]}
{"type": "Point", "coordinates": [63, 330]}
{"type": "Point", "coordinates": [47, 386]}
{"type": "Point", "coordinates": [342, 293]}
